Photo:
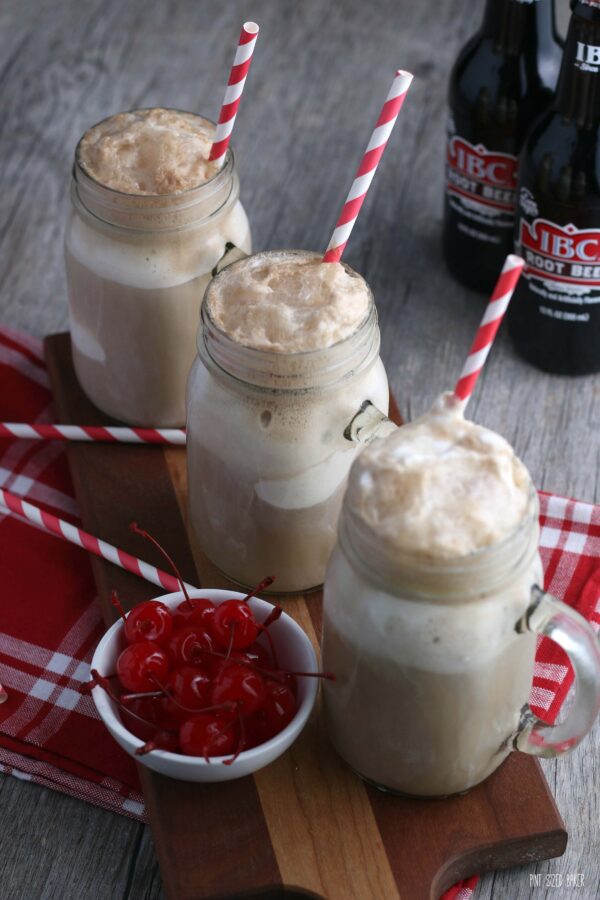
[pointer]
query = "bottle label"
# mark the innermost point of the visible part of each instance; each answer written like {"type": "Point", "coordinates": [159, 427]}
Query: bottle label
{"type": "Point", "coordinates": [562, 262]}
{"type": "Point", "coordinates": [587, 57]}
{"type": "Point", "coordinates": [481, 186]}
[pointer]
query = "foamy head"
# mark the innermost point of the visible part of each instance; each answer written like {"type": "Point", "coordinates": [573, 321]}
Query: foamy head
{"type": "Point", "coordinates": [441, 487]}
{"type": "Point", "coordinates": [288, 302]}
{"type": "Point", "coordinates": [149, 151]}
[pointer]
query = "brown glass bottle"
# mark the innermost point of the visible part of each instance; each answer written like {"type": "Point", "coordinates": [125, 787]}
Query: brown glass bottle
{"type": "Point", "coordinates": [503, 77]}
{"type": "Point", "coordinates": [554, 317]}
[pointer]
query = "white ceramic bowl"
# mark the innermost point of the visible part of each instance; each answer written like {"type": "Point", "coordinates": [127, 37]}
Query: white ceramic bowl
{"type": "Point", "coordinates": [293, 648]}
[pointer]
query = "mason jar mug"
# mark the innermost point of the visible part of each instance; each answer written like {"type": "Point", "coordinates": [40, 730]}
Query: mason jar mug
{"type": "Point", "coordinates": [269, 448]}
{"type": "Point", "coordinates": [137, 267]}
{"type": "Point", "coordinates": [434, 660]}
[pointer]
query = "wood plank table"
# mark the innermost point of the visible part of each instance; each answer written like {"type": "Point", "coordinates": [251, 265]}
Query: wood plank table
{"type": "Point", "coordinates": [319, 73]}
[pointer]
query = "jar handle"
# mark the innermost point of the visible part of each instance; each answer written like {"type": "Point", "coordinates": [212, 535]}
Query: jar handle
{"type": "Point", "coordinates": [554, 619]}
{"type": "Point", "coordinates": [367, 424]}
{"type": "Point", "coordinates": [231, 255]}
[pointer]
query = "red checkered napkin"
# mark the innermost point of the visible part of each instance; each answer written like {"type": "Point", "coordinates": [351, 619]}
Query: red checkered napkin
{"type": "Point", "coordinates": [570, 551]}
{"type": "Point", "coordinates": [49, 732]}
{"type": "Point", "coordinates": [49, 623]}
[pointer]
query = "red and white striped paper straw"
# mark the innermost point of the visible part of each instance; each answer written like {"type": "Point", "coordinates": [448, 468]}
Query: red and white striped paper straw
{"type": "Point", "coordinates": [494, 313]}
{"type": "Point", "coordinates": [233, 92]}
{"type": "Point", "coordinates": [368, 166]}
{"type": "Point", "coordinates": [106, 433]}
{"type": "Point", "coordinates": [34, 515]}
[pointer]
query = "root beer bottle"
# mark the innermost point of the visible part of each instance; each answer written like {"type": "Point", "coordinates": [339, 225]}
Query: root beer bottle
{"type": "Point", "coordinates": [503, 77]}
{"type": "Point", "coordinates": [554, 317]}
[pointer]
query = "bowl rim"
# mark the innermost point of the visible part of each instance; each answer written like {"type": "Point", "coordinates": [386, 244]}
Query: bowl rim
{"type": "Point", "coordinates": [103, 702]}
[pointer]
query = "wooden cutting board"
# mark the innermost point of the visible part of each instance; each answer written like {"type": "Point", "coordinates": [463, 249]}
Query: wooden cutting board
{"type": "Point", "coordinates": [305, 825]}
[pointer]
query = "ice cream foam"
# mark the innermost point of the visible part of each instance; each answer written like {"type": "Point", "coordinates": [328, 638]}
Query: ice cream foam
{"type": "Point", "coordinates": [440, 487]}
{"type": "Point", "coordinates": [149, 151]}
{"type": "Point", "coordinates": [288, 302]}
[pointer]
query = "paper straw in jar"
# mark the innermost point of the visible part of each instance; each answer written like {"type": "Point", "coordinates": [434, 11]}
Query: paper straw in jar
{"type": "Point", "coordinates": [233, 91]}
{"type": "Point", "coordinates": [36, 516]}
{"type": "Point", "coordinates": [103, 433]}
{"type": "Point", "coordinates": [368, 165]}
{"type": "Point", "coordinates": [494, 313]}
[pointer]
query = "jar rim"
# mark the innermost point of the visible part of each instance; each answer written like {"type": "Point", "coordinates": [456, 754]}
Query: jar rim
{"type": "Point", "coordinates": [205, 310]}
{"type": "Point", "coordinates": [303, 370]}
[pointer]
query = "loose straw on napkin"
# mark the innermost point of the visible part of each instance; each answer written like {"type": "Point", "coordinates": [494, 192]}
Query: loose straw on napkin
{"type": "Point", "coordinates": [34, 515]}
{"type": "Point", "coordinates": [103, 433]}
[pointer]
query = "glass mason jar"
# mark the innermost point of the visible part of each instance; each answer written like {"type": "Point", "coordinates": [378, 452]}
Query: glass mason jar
{"type": "Point", "coordinates": [137, 267]}
{"type": "Point", "coordinates": [267, 451]}
{"type": "Point", "coordinates": [434, 662]}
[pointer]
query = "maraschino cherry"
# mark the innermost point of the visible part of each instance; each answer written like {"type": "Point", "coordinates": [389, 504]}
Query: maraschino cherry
{"type": "Point", "coordinates": [208, 734]}
{"type": "Point", "coordinates": [141, 666]}
{"type": "Point", "coordinates": [149, 621]}
{"type": "Point", "coordinates": [233, 624]}
{"type": "Point", "coordinates": [189, 645]}
{"type": "Point", "coordinates": [237, 683]}
{"type": "Point", "coordinates": [278, 709]}
{"type": "Point", "coordinates": [197, 611]}
{"type": "Point", "coordinates": [190, 688]}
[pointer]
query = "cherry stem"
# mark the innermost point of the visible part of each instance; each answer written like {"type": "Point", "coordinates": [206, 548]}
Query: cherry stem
{"type": "Point", "coordinates": [280, 674]}
{"type": "Point", "coordinates": [275, 674]}
{"type": "Point", "coordinates": [265, 583]}
{"type": "Point", "coordinates": [103, 682]}
{"type": "Point", "coordinates": [146, 695]}
{"type": "Point", "coordinates": [272, 617]}
{"type": "Point", "coordinates": [241, 739]}
{"type": "Point", "coordinates": [231, 638]}
{"type": "Point", "coordinates": [152, 744]}
{"type": "Point", "coordinates": [137, 530]}
{"type": "Point", "coordinates": [265, 630]}
{"type": "Point", "coordinates": [147, 747]}
{"type": "Point", "coordinates": [114, 599]}
{"type": "Point", "coordinates": [227, 705]}
{"type": "Point", "coordinates": [88, 686]}
{"type": "Point", "coordinates": [329, 676]}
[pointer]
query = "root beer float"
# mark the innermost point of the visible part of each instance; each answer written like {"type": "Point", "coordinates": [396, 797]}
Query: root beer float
{"type": "Point", "coordinates": [432, 604]}
{"type": "Point", "coordinates": [154, 203]}
{"type": "Point", "coordinates": [288, 354]}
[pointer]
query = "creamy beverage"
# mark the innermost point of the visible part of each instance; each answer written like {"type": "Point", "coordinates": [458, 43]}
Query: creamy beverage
{"type": "Point", "coordinates": [288, 352]}
{"type": "Point", "coordinates": [435, 566]}
{"type": "Point", "coordinates": [151, 218]}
